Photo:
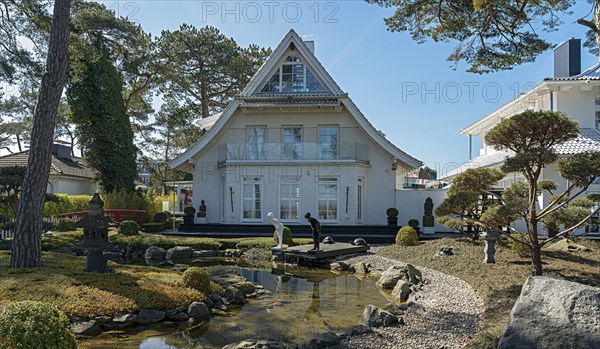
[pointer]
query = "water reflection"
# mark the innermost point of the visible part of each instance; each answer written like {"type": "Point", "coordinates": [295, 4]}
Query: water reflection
{"type": "Point", "coordinates": [303, 303]}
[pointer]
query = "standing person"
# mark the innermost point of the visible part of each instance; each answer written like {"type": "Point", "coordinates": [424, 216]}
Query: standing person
{"type": "Point", "coordinates": [316, 230]}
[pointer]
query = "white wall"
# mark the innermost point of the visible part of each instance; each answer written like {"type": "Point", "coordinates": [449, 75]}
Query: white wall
{"type": "Point", "coordinates": [410, 204]}
{"type": "Point", "coordinates": [72, 186]}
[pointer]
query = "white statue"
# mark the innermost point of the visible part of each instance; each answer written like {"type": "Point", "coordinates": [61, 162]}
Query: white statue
{"type": "Point", "coordinates": [278, 227]}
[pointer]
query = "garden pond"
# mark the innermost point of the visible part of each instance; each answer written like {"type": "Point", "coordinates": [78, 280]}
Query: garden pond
{"type": "Point", "coordinates": [301, 304]}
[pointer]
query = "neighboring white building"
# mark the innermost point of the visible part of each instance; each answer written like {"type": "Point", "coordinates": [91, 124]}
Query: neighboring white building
{"type": "Point", "coordinates": [294, 142]}
{"type": "Point", "coordinates": [574, 93]}
{"type": "Point", "coordinates": [68, 174]}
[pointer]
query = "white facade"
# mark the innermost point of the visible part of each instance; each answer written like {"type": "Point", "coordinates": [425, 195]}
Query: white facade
{"type": "Point", "coordinates": [294, 142]}
{"type": "Point", "coordinates": [71, 185]}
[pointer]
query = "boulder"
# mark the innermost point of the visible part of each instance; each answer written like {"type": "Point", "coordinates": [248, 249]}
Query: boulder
{"type": "Point", "coordinates": [376, 317]}
{"type": "Point", "coordinates": [204, 254]}
{"type": "Point", "coordinates": [565, 245]}
{"type": "Point", "coordinates": [390, 277]}
{"type": "Point", "coordinates": [402, 290]}
{"type": "Point", "coordinates": [414, 275]}
{"type": "Point", "coordinates": [178, 314]}
{"type": "Point", "coordinates": [245, 287]}
{"type": "Point", "coordinates": [150, 316]}
{"type": "Point", "coordinates": [125, 318]}
{"type": "Point", "coordinates": [235, 296]}
{"type": "Point", "coordinates": [360, 330]}
{"type": "Point", "coordinates": [87, 329]}
{"type": "Point", "coordinates": [446, 251]}
{"type": "Point", "coordinates": [155, 253]}
{"type": "Point", "coordinates": [258, 344]}
{"type": "Point", "coordinates": [360, 268]}
{"type": "Point", "coordinates": [339, 266]}
{"type": "Point", "coordinates": [328, 339]}
{"type": "Point", "coordinates": [180, 252]}
{"type": "Point", "coordinates": [552, 313]}
{"type": "Point", "coordinates": [198, 310]}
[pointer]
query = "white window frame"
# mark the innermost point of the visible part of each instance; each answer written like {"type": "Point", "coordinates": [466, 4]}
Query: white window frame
{"type": "Point", "coordinates": [287, 181]}
{"type": "Point", "coordinates": [336, 153]}
{"type": "Point", "coordinates": [279, 71]}
{"type": "Point", "coordinates": [284, 152]}
{"type": "Point", "coordinates": [252, 181]}
{"type": "Point", "coordinates": [328, 181]}
{"type": "Point", "coordinates": [255, 150]}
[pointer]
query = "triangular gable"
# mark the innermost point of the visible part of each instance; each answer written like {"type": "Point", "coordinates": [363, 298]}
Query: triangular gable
{"type": "Point", "coordinates": [279, 55]}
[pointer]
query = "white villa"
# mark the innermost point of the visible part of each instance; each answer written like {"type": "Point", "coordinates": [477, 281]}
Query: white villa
{"type": "Point", "coordinates": [294, 142]}
{"type": "Point", "coordinates": [575, 93]}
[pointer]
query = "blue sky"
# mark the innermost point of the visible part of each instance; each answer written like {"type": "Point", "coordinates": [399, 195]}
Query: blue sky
{"type": "Point", "coordinates": [405, 89]}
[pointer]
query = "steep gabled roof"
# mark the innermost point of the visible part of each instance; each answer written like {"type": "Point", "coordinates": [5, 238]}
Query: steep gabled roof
{"type": "Point", "coordinates": [592, 73]}
{"type": "Point", "coordinates": [252, 95]}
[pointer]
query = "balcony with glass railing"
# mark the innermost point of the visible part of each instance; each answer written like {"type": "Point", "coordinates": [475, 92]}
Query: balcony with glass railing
{"type": "Point", "coordinates": [293, 152]}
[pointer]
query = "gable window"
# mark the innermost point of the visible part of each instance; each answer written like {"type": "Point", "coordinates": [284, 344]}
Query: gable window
{"type": "Point", "coordinates": [255, 145]}
{"type": "Point", "coordinates": [328, 142]}
{"type": "Point", "coordinates": [293, 76]}
{"type": "Point", "coordinates": [292, 143]}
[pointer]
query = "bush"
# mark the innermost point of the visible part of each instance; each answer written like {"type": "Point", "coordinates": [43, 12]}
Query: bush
{"type": "Point", "coordinates": [154, 227]}
{"type": "Point", "coordinates": [414, 223]}
{"type": "Point", "coordinates": [129, 228]}
{"type": "Point", "coordinates": [123, 200]}
{"type": "Point", "coordinates": [65, 224]}
{"type": "Point", "coordinates": [265, 243]}
{"type": "Point", "coordinates": [160, 217]}
{"type": "Point", "coordinates": [287, 237]}
{"type": "Point", "coordinates": [189, 211]}
{"type": "Point", "coordinates": [407, 236]}
{"type": "Point", "coordinates": [196, 278]}
{"type": "Point", "coordinates": [31, 324]}
{"type": "Point", "coordinates": [519, 249]}
{"type": "Point", "coordinates": [392, 212]}
{"type": "Point", "coordinates": [65, 203]}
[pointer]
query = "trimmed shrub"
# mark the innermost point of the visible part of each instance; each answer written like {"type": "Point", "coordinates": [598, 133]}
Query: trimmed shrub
{"type": "Point", "coordinates": [154, 227]}
{"type": "Point", "coordinates": [196, 278]}
{"type": "Point", "coordinates": [414, 223]}
{"type": "Point", "coordinates": [519, 249]}
{"type": "Point", "coordinates": [129, 228]}
{"type": "Point", "coordinates": [64, 203]}
{"type": "Point", "coordinates": [64, 224]}
{"type": "Point", "coordinates": [189, 211]}
{"type": "Point", "coordinates": [392, 212]}
{"type": "Point", "coordinates": [29, 324]}
{"type": "Point", "coordinates": [265, 243]}
{"type": "Point", "coordinates": [407, 236]}
{"type": "Point", "coordinates": [160, 217]}
{"type": "Point", "coordinates": [287, 237]}
{"type": "Point", "coordinates": [123, 200]}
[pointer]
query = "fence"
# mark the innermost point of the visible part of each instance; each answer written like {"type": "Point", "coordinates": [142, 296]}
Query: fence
{"type": "Point", "coordinates": [116, 215]}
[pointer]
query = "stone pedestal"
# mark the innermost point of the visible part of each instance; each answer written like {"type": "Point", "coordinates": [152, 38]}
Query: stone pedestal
{"type": "Point", "coordinates": [200, 220]}
{"type": "Point", "coordinates": [428, 230]}
{"type": "Point", "coordinates": [489, 248]}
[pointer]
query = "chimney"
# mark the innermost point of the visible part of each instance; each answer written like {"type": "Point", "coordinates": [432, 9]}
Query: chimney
{"type": "Point", "coordinates": [567, 58]}
{"type": "Point", "coordinates": [61, 151]}
{"type": "Point", "coordinates": [311, 45]}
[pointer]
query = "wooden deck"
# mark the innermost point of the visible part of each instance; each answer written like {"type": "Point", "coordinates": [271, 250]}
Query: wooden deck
{"type": "Point", "coordinates": [326, 251]}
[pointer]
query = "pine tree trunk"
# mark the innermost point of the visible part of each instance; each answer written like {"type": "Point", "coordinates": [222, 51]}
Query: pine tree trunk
{"type": "Point", "coordinates": [26, 250]}
{"type": "Point", "coordinates": [536, 257]}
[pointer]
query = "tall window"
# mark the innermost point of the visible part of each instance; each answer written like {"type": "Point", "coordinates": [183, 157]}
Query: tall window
{"type": "Point", "coordinates": [251, 199]}
{"type": "Point", "coordinates": [292, 143]}
{"type": "Point", "coordinates": [328, 142]}
{"type": "Point", "coordinates": [359, 200]}
{"type": "Point", "coordinates": [255, 146]}
{"type": "Point", "coordinates": [327, 196]}
{"type": "Point", "coordinates": [289, 201]}
{"type": "Point", "coordinates": [293, 76]}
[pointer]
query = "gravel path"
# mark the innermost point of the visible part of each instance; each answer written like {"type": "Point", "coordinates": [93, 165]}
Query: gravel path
{"type": "Point", "coordinates": [446, 314]}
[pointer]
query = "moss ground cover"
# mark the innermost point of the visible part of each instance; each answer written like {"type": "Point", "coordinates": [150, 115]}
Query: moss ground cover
{"type": "Point", "coordinates": [499, 285]}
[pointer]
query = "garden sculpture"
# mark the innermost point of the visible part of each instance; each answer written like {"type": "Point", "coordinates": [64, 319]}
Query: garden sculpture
{"type": "Point", "coordinates": [316, 230]}
{"type": "Point", "coordinates": [278, 227]}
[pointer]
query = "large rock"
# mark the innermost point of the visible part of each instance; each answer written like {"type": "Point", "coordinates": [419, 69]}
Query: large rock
{"type": "Point", "coordinates": [87, 329]}
{"type": "Point", "coordinates": [414, 275]}
{"type": "Point", "coordinates": [390, 277]}
{"type": "Point", "coordinates": [565, 245]}
{"type": "Point", "coordinates": [402, 290]}
{"type": "Point", "coordinates": [178, 314]}
{"type": "Point", "coordinates": [258, 344]}
{"type": "Point", "coordinates": [360, 268]}
{"type": "Point", "coordinates": [553, 313]}
{"type": "Point", "coordinates": [180, 252]}
{"type": "Point", "coordinates": [234, 296]}
{"type": "Point", "coordinates": [376, 317]}
{"type": "Point", "coordinates": [328, 339]}
{"type": "Point", "coordinates": [155, 253]}
{"type": "Point", "coordinates": [198, 310]}
{"type": "Point", "coordinates": [150, 316]}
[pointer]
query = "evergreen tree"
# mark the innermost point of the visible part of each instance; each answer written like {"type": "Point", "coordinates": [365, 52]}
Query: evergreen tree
{"type": "Point", "coordinates": [104, 130]}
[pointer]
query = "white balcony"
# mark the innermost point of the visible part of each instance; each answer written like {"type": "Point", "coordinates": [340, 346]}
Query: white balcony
{"type": "Point", "coordinates": [293, 152]}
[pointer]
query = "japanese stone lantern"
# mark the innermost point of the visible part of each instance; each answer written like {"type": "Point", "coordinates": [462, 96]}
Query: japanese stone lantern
{"type": "Point", "coordinates": [95, 236]}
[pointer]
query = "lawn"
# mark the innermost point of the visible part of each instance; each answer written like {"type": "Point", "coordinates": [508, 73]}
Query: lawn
{"type": "Point", "coordinates": [499, 285]}
{"type": "Point", "coordinates": [63, 281]}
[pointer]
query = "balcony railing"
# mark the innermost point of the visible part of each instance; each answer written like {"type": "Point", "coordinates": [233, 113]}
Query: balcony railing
{"type": "Point", "coordinates": [293, 152]}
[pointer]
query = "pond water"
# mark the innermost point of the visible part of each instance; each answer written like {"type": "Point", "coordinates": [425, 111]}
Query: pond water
{"type": "Point", "coordinates": [302, 304]}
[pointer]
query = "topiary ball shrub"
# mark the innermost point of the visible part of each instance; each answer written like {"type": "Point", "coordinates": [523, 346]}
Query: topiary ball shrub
{"type": "Point", "coordinates": [407, 236]}
{"type": "Point", "coordinates": [287, 237]}
{"type": "Point", "coordinates": [392, 212]}
{"type": "Point", "coordinates": [65, 224]}
{"type": "Point", "coordinates": [160, 217]}
{"type": "Point", "coordinates": [518, 248]}
{"type": "Point", "coordinates": [196, 278]}
{"type": "Point", "coordinates": [413, 223]}
{"type": "Point", "coordinates": [189, 211]}
{"type": "Point", "coordinates": [128, 228]}
{"type": "Point", "coordinates": [28, 324]}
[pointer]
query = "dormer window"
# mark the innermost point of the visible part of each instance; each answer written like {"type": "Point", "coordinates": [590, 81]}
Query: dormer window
{"type": "Point", "coordinates": [293, 77]}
